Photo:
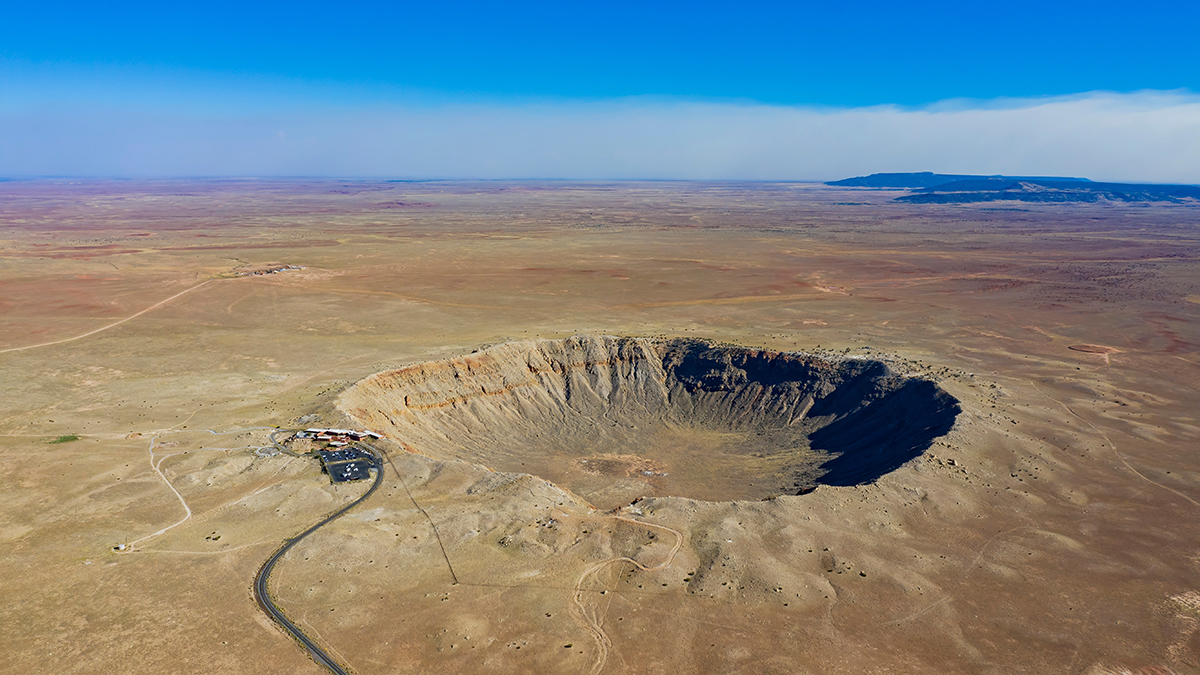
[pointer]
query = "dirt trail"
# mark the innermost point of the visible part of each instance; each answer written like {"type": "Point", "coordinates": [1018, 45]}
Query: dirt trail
{"type": "Point", "coordinates": [111, 325]}
{"type": "Point", "coordinates": [1113, 447]}
{"type": "Point", "coordinates": [593, 621]}
{"type": "Point", "coordinates": [157, 466]}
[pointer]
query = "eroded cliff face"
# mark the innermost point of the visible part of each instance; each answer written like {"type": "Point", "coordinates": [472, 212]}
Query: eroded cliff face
{"type": "Point", "coordinates": [614, 419]}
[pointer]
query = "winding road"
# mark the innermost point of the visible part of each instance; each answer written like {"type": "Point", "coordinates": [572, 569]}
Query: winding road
{"type": "Point", "coordinates": [590, 621]}
{"type": "Point", "coordinates": [260, 582]}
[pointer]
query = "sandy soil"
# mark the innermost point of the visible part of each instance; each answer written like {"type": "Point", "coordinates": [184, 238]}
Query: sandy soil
{"type": "Point", "coordinates": [1053, 529]}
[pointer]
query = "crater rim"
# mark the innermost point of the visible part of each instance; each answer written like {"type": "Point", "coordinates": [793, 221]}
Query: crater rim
{"type": "Point", "coordinates": [614, 419]}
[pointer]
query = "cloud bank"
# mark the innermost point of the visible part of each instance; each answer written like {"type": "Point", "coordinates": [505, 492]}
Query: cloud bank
{"type": "Point", "coordinates": [1146, 136]}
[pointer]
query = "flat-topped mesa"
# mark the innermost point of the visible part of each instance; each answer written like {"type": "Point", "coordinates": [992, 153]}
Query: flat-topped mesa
{"type": "Point", "coordinates": [614, 418]}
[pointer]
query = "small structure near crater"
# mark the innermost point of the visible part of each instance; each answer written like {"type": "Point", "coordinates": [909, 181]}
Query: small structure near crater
{"type": "Point", "coordinates": [1094, 349]}
{"type": "Point", "coordinates": [265, 268]}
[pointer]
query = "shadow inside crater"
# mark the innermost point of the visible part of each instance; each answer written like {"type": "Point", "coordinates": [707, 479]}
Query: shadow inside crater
{"type": "Point", "coordinates": [868, 421]}
{"type": "Point", "coordinates": [879, 438]}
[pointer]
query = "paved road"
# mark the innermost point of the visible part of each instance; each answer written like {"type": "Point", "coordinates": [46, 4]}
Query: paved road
{"type": "Point", "coordinates": [260, 582]}
{"type": "Point", "coordinates": [279, 446]}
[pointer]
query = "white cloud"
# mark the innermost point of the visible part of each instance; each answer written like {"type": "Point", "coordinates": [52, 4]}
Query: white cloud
{"type": "Point", "coordinates": [1146, 136]}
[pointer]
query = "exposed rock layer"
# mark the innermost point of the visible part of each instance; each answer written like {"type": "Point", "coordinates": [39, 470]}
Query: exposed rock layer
{"type": "Point", "coordinates": [613, 419]}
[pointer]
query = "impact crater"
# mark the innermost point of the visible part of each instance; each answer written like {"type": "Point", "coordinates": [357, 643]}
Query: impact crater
{"type": "Point", "coordinates": [613, 419]}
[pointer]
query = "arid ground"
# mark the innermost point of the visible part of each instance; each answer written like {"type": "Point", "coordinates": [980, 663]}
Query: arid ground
{"type": "Point", "coordinates": [150, 341]}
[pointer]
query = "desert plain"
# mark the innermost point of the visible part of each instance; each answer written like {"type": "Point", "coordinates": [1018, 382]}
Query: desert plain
{"type": "Point", "coordinates": [153, 334]}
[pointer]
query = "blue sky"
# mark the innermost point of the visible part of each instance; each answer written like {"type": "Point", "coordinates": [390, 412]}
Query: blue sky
{"type": "Point", "coordinates": [210, 71]}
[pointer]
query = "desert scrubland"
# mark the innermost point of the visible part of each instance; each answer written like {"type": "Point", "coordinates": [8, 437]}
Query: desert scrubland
{"type": "Point", "coordinates": [153, 335]}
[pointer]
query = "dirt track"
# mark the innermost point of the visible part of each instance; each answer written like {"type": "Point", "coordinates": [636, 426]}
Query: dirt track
{"type": "Point", "coordinates": [592, 620]}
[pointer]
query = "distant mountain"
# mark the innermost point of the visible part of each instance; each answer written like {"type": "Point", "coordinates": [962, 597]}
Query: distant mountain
{"type": "Point", "coordinates": [1045, 190]}
{"type": "Point", "coordinates": [926, 179]}
{"type": "Point", "coordinates": [933, 188]}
